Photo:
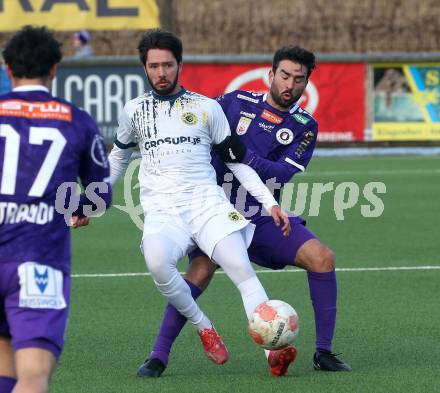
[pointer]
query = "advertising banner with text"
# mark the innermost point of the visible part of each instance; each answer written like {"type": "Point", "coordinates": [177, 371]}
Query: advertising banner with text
{"type": "Point", "coordinates": [79, 14]}
{"type": "Point", "coordinates": [335, 95]}
{"type": "Point", "coordinates": [406, 102]}
{"type": "Point", "coordinates": [102, 91]}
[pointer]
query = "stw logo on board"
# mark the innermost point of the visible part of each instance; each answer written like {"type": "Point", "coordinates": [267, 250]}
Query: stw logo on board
{"type": "Point", "coordinates": [258, 80]}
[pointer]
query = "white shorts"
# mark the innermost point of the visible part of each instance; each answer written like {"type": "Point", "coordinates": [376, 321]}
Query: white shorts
{"type": "Point", "coordinates": [204, 230]}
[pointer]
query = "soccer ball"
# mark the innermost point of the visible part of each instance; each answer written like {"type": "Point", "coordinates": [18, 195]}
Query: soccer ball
{"type": "Point", "coordinates": [273, 324]}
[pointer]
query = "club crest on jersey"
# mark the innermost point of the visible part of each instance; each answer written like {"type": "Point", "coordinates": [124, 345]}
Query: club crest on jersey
{"type": "Point", "coordinates": [284, 136]}
{"type": "Point", "coordinates": [271, 117]}
{"type": "Point", "coordinates": [243, 125]}
{"type": "Point", "coordinates": [189, 118]}
{"type": "Point", "coordinates": [235, 216]}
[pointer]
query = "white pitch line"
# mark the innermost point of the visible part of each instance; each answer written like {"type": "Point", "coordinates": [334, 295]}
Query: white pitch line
{"type": "Point", "coordinates": [372, 172]}
{"type": "Point", "coordinates": [342, 269]}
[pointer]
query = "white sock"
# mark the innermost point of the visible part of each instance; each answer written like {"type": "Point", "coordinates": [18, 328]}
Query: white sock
{"type": "Point", "coordinates": [177, 292]}
{"type": "Point", "coordinates": [252, 294]}
{"type": "Point", "coordinates": [237, 266]}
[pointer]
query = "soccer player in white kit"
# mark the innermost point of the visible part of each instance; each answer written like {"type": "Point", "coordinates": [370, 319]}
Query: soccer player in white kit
{"type": "Point", "coordinates": [184, 207]}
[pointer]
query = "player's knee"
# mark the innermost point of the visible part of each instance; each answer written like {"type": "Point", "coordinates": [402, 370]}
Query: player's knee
{"type": "Point", "coordinates": [156, 260]}
{"type": "Point", "coordinates": [33, 384]}
{"type": "Point", "coordinates": [34, 378]}
{"type": "Point", "coordinates": [324, 260]}
{"type": "Point", "coordinates": [161, 273]}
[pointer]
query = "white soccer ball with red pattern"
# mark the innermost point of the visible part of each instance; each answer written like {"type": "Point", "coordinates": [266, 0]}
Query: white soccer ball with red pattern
{"type": "Point", "coordinates": [274, 324]}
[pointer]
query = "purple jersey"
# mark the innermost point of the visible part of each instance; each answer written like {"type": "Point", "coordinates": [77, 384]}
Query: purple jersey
{"type": "Point", "coordinates": [44, 141]}
{"type": "Point", "coordinates": [279, 144]}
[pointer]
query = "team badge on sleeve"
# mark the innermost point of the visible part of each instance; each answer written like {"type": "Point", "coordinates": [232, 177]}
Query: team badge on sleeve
{"type": "Point", "coordinates": [307, 139]}
{"type": "Point", "coordinates": [41, 286]}
{"type": "Point", "coordinates": [284, 136]}
{"type": "Point", "coordinates": [99, 156]}
{"type": "Point", "coordinates": [189, 118]}
{"type": "Point", "coordinates": [243, 125]}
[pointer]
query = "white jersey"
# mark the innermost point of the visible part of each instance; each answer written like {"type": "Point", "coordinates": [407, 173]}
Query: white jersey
{"type": "Point", "coordinates": [175, 135]}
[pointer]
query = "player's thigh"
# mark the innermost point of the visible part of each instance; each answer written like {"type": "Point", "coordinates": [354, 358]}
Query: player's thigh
{"type": "Point", "coordinates": [37, 307]}
{"type": "Point", "coordinates": [34, 365]}
{"type": "Point", "coordinates": [7, 368]}
{"type": "Point", "coordinates": [271, 249]}
{"type": "Point", "coordinates": [164, 242]}
{"type": "Point", "coordinates": [214, 228]}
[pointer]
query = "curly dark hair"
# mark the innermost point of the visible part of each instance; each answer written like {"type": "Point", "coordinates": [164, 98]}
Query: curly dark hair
{"type": "Point", "coordinates": [32, 52]}
{"type": "Point", "coordinates": [295, 54]}
{"type": "Point", "coordinates": [159, 39]}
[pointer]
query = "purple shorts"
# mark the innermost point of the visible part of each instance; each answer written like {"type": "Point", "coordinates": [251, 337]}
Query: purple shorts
{"type": "Point", "coordinates": [269, 248]}
{"type": "Point", "coordinates": [34, 305]}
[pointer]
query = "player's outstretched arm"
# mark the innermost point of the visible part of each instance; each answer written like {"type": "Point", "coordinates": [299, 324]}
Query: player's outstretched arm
{"type": "Point", "coordinates": [119, 159]}
{"type": "Point", "coordinates": [253, 184]}
{"type": "Point", "coordinates": [124, 143]}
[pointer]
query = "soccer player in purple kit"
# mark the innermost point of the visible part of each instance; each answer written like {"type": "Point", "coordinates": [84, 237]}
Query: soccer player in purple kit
{"type": "Point", "coordinates": [279, 138]}
{"type": "Point", "coordinates": [44, 142]}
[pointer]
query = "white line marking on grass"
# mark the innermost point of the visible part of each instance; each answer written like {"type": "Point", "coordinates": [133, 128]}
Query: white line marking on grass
{"type": "Point", "coordinates": [372, 172]}
{"type": "Point", "coordinates": [342, 269]}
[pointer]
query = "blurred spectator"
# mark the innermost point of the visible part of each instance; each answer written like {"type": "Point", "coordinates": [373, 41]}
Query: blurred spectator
{"type": "Point", "coordinates": [5, 83]}
{"type": "Point", "coordinates": [81, 43]}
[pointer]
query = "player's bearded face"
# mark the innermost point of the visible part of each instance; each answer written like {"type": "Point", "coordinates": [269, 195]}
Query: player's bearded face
{"type": "Point", "coordinates": [162, 71]}
{"type": "Point", "coordinates": [288, 83]}
{"type": "Point", "coordinates": [284, 98]}
{"type": "Point", "coordinates": [163, 86]}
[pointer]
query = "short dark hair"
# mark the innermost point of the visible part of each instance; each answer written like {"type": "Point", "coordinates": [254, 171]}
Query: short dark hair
{"type": "Point", "coordinates": [295, 54]}
{"type": "Point", "coordinates": [32, 52]}
{"type": "Point", "coordinates": [160, 39]}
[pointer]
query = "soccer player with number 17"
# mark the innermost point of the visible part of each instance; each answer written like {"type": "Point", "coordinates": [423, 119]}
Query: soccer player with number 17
{"type": "Point", "coordinates": [45, 144]}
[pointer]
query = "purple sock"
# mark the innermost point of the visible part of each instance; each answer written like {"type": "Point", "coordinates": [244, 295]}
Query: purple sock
{"type": "Point", "coordinates": [172, 324]}
{"type": "Point", "coordinates": [7, 384]}
{"type": "Point", "coordinates": [323, 292]}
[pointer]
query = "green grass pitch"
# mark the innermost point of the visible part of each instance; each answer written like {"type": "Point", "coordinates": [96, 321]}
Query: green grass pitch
{"type": "Point", "coordinates": [388, 320]}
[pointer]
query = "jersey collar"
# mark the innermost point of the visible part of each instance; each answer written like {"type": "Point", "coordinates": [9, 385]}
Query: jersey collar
{"type": "Point", "coordinates": [168, 98]}
{"type": "Point", "coordinates": [31, 88]}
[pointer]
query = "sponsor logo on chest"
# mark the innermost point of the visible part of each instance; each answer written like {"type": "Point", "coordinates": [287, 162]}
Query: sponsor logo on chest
{"type": "Point", "coordinates": [271, 117]}
{"type": "Point", "coordinates": [248, 114]}
{"type": "Point", "coordinates": [178, 140]}
{"type": "Point", "coordinates": [246, 98]}
{"type": "Point", "coordinates": [266, 127]}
